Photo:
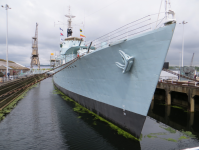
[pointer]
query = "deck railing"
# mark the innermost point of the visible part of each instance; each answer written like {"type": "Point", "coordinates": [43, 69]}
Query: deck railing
{"type": "Point", "coordinates": [141, 25]}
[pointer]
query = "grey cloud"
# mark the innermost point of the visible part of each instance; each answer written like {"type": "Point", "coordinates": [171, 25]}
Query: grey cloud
{"type": "Point", "coordinates": [25, 13]}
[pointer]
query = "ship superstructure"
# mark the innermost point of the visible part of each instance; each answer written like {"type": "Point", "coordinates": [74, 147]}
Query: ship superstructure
{"type": "Point", "coordinates": [116, 78]}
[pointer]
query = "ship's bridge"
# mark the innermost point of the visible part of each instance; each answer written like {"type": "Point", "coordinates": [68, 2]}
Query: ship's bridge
{"type": "Point", "coordinates": [72, 44]}
{"type": "Point", "coordinates": [73, 39]}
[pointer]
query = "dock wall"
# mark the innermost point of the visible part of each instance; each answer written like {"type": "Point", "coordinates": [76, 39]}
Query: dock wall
{"type": "Point", "coordinates": [189, 91]}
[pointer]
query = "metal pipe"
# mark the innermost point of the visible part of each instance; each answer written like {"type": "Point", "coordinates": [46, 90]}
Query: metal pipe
{"type": "Point", "coordinates": [182, 43]}
{"type": "Point", "coordinates": [80, 42]}
{"type": "Point", "coordinates": [166, 10]}
{"type": "Point", "coordinates": [7, 40]}
{"type": "Point", "coordinates": [158, 13]}
{"type": "Point", "coordinates": [6, 7]}
{"type": "Point", "coordinates": [89, 47]}
{"type": "Point", "coordinates": [183, 23]}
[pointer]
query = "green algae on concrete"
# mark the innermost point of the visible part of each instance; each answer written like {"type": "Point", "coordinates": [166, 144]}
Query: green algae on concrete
{"type": "Point", "coordinates": [160, 133]}
{"type": "Point", "coordinates": [189, 134]}
{"type": "Point", "coordinates": [95, 123]}
{"type": "Point", "coordinates": [178, 107]}
{"type": "Point", "coordinates": [169, 129]}
{"type": "Point", "coordinates": [171, 140]}
{"type": "Point", "coordinates": [154, 135]}
{"type": "Point", "coordinates": [80, 109]}
{"type": "Point", "coordinates": [183, 137]}
{"type": "Point", "coordinates": [141, 136]}
{"type": "Point", "coordinates": [150, 136]}
{"type": "Point", "coordinates": [57, 92]}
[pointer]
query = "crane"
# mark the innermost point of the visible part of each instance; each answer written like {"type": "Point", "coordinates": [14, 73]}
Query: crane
{"type": "Point", "coordinates": [35, 55]}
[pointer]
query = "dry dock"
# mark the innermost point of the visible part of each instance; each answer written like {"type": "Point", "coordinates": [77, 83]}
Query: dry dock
{"type": "Point", "coordinates": [189, 89]}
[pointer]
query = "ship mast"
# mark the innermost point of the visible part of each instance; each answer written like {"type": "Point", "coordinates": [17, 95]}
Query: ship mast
{"type": "Point", "coordinates": [166, 11]}
{"type": "Point", "coordinates": [69, 30]}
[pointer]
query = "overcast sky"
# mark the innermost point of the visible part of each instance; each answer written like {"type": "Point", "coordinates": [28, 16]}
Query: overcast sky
{"type": "Point", "coordinates": [101, 17]}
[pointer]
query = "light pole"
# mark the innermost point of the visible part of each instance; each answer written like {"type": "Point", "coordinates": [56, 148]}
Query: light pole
{"type": "Point", "coordinates": [6, 7]}
{"type": "Point", "coordinates": [183, 23]}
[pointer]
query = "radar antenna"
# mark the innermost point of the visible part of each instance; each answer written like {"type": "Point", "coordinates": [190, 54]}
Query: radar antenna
{"type": "Point", "coordinates": [35, 55]}
{"type": "Point", "coordinates": [69, 30]}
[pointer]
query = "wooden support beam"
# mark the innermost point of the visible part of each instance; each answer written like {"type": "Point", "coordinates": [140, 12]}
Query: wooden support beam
{"type": "Point", "coordinates": [192, 103]}
{"type": "Point", "coordinates": [167, 113]}
{"type": "Point", "coordinates": [191, 119]}
{"type": "Point", "coordinates": [152, 105]}
{"type": "Point", "coordinates": [168, 97]}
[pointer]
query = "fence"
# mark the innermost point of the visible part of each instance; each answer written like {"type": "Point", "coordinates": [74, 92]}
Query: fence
{"type": "Point", "coordinates": [168, 78]}
{"type": "Point", "coordinates": [22, 75]}
{"type": "Point", "coordinates": [5, 79]}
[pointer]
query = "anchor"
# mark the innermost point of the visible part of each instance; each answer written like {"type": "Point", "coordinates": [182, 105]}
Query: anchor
{"type": "Point", "coordinates": [128, 62]}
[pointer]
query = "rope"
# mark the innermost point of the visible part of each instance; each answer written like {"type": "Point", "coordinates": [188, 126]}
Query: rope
{"type": "Point", "coordinates": [159, 13]}
{"type": "Point", "coordinates": [160, 22]}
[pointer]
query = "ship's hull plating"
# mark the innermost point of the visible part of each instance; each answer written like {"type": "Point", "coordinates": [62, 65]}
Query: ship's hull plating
{"type": "Point", "coordinates": [97, 83]}
{"type": "Point", "coordinates": [131, 122]}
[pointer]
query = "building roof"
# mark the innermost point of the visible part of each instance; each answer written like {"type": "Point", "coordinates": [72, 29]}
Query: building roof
{"type": "Point", "coordinates": [8, 61]}
{"type": "Point", "coordinates": [2, 67]}
{"type": "Point", "coordinates": [11, 65]}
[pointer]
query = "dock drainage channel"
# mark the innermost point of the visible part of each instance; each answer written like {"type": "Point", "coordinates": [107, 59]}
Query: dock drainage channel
{"type": "Point", "coordinates": [10, 101]}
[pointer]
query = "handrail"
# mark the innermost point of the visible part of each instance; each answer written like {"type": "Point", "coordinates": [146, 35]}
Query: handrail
{"type": "Point", "coordinates": [125, 31]}
{"type": "Point", "coordinates": [121, 27]}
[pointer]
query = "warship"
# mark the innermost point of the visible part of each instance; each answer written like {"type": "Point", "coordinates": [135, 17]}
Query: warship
{"type": "Point", "coordinates": [117, 73]}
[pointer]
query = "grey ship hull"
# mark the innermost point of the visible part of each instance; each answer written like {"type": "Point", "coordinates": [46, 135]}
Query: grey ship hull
{"type": "Point", "coordinates": [131, 122]}
{"type": "Point", "coordinates": [97, 83]}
